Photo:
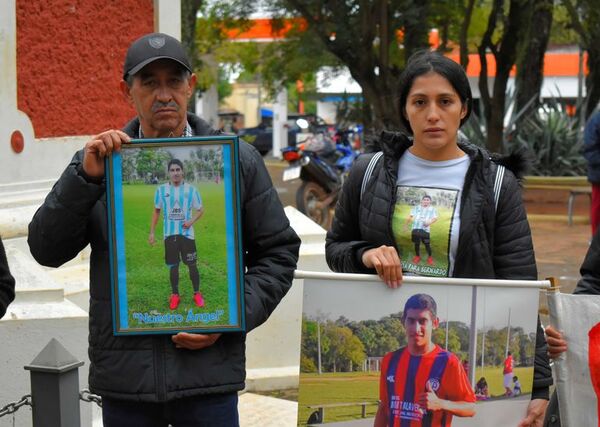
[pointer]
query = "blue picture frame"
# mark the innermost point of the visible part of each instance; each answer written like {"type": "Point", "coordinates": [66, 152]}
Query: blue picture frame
{"type": "Point", "coordinates": [140, 192]}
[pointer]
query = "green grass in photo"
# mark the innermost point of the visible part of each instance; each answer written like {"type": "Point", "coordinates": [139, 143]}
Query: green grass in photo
{"type": "Point", "coordinates": [358, 387]}
{"type": "Point", "coordinates": [342, 387]}
{"type": "Point", "coordinates": [148, 285]}
{"type": "Point", "coordinates": [439, 236]}
{"type": "Point", "coordinates": [494, 377]}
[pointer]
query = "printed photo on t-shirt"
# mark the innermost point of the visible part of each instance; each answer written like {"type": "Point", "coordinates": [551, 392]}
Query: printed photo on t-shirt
{"type": "Point", "coordinates": [422, 226]}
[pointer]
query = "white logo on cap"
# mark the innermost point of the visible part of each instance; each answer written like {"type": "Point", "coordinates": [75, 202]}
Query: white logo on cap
{"type": "Point", "coordinates": [157, 42]}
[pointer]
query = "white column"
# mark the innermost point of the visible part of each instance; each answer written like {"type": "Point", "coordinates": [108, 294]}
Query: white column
{"type": "Point", "coordinates": [13, 123]}
{"type": "Point", "coordinates": [207, 106]}
{"type": "Point", "coordinates": [280, 135]}
{"type": "Point", "coordinates": [167, 17]}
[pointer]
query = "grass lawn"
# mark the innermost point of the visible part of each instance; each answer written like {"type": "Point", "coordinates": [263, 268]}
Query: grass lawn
{"type": "Point", "coordinates": [148, 285]}
{"type": "Point", "coordinates": [494, 377]}
{"type": "Point", "coordinates": [439, 240]}
{"type": "Point", "coordinates": [347, 387]}
{"type": "Point", "coordinates": [341, 387]}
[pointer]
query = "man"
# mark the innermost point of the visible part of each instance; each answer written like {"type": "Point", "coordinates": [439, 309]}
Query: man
{"type": "Point", "coordinates": [157, 380]}
{"type": "Point", "coordinates": [7, 283]}
{"type": "Point", "coordinates": [178, 199]}
{"type": "Point", "coordinates": [422, 384]}
{"type": "Point", "coordinates": [508, 373]}
{"type": "Point", "coordinates": [591, 152]}
{"type": "Point", "coordinates": [422, 216]}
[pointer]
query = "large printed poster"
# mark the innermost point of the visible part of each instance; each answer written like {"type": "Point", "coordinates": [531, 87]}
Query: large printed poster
{"type": "Point", "coordinates": [577, 371]}
{"type": "Point", "coordinates": [416, 349]}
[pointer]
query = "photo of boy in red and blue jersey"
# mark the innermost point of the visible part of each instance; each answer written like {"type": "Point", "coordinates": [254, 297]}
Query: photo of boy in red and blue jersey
{"type": "Point", "coordinates": [422, 384]}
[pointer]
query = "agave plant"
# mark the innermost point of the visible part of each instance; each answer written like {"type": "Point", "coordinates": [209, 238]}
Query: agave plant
{"type": "Point", "coordinates": [553, 138]}
{"type": "Point", "coordinates": [548, 134]}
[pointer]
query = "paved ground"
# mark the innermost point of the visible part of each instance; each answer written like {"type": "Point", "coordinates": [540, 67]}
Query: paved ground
{"type": "Point", "coordinates": [559, 249]}
{"type": "Point", "coordinates": [264, 411]}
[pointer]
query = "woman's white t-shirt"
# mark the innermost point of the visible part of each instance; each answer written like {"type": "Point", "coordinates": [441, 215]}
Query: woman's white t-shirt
{"type": "Point", "coordinates": [426, 217]}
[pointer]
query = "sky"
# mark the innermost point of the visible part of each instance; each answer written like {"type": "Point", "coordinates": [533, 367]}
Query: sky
{"type": "Point", "coordinates": [373, 300]}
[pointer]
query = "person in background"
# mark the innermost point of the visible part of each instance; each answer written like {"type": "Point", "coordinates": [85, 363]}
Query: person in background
{"type": "Point", "coordinates": [591, 152]}
{"type": "Point", "coordinates": [7, 282]}
{"type": "Point", "coordinates": [507, 372]}
{"type": "Point", "coordinates": [481, 389]}
{"type": "Point", "coordinates": [516, 390]}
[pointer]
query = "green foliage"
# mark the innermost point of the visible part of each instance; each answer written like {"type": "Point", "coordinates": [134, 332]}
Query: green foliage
{"type": "Point", "coordinates": [454, 341]}
{"type": "Point", "coordinates": [307, 365]}
{"type": "Point", "coordinates": [548, 135]}
{"type": "Point", "coordinates": [346, 344]}
{"type": "Point", "coordinates": [140, 165]}
{"type": "Point", "coordinates": [553, 138]}
{"type": "Point", "coordinates": [562, 32]}
{"type": "Point", "coordinates": [357, 387]}
{"type": "Point", "coordinates": [338, 388]}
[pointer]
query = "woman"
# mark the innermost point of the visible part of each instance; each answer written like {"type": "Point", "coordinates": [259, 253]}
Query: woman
{"type": "Point", "coordinates": [477, 239]}
{"type": "Point", "coordinates": [7, 283]}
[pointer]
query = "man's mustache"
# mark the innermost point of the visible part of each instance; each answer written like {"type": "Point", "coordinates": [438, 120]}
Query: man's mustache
{"type": "Point", "coordinates": [160, 105]}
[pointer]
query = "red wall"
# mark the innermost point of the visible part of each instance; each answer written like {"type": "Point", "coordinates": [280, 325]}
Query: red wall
{"type": "Point", "coordinates": [70, 57]}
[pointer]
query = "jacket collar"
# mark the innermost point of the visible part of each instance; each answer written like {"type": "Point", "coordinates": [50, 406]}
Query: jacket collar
{"type": "Point", "coordinates": [199, 126]}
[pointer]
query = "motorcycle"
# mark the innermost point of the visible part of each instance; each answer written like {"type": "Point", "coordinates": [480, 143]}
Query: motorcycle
{"type": "Point", "coordinates": [322, 173]}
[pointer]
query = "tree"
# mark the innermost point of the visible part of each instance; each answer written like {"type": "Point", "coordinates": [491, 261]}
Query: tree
{"type": "Point", "coordinates": [454, 344]}
{"type": "Point", "coordinates": [364, 37]}
{"type": "Point", "coordinates": [530, 58]}
{"type": "Point", "coordinates": [345, 349]}
{"type": "Point", "coordinates": [309, 345]}
{"type": "Point", "coordinates": [585, 20]}
{"type": "Point", "coordinates": [464, 31]}
{"type": "Point", "coordinates": [189, 10]}
{"type": "Point", "coordinates": [504, 50]}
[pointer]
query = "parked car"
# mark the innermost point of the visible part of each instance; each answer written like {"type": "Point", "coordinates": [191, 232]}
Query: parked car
{"type": "Point", "coordinates": [261, 136]}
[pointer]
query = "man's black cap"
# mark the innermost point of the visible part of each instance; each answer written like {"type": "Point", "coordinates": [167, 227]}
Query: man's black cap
{"type": "Point", "coordinates": [151, 47]}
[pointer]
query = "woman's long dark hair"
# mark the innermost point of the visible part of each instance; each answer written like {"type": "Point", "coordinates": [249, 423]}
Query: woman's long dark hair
{"type": "Point", "coordinates": [426, 61]}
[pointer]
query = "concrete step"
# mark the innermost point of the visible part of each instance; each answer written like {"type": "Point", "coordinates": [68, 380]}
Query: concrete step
{"type": "Point", "coordinates": [24, 193]}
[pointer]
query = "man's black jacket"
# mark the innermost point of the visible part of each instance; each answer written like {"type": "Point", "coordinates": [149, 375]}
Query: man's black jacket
{"type": "Point", "coordinates": [150, 368]}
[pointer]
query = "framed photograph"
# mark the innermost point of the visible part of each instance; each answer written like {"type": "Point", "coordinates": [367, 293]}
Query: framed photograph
{"type": "Point", "coordinates": [434, 338]}
{"type": "Point", "coordinates": [175, 236]}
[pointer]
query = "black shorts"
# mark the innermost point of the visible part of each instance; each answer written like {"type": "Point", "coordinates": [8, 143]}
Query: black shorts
{"type": "Point", "coordinates": [420, 235]}
{"type": "Point", "coordinates": [179, 248]}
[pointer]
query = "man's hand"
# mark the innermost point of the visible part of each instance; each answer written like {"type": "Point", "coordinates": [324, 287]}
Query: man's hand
{"type": "Point", "coordinates": [556, 343]}
{"type": "Point", "coordinates": [151, 239]}
{"type": "Point", "coordinates": [194, 341]}
{"type": "Point", "coordinates": [386, 262]}
{"type": "Point", "coordinates": [535, 413]}
{"type": "Point", "coordinates": [187, 224]}
{"type": "Point", "coordinates": [429, 400]}
{"type": "Point", "coordinates": [98, 148]}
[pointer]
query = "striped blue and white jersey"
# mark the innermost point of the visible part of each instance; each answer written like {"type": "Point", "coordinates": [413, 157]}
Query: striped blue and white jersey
{"type": "Point", "coordinates": [177, 204]}
{"type": "Point", "coordinates": [421, 216]}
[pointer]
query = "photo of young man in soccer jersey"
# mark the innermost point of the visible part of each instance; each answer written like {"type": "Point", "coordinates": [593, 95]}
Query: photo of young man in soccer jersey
{"type": "Point", "coordinates": [422, 384]}
{"type": "Point", "coordinates": [423, 223]}
{"type": "Point", "coordinates": [181, 206]}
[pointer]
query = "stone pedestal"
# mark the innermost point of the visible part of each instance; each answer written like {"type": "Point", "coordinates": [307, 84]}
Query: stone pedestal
{"type": "Point", "coordinates": [273, 349]}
